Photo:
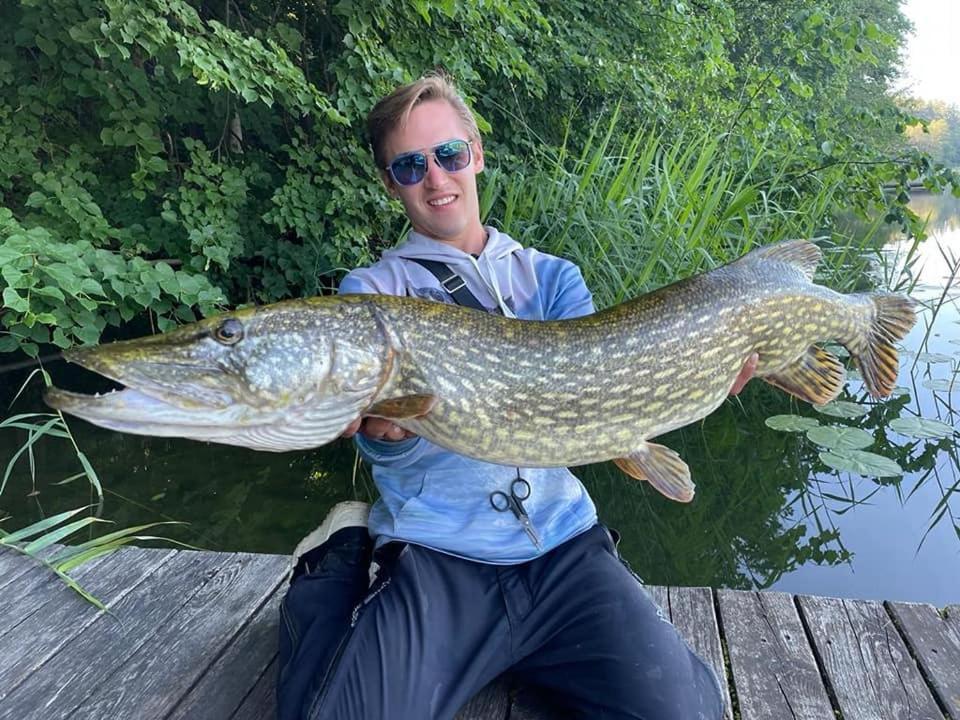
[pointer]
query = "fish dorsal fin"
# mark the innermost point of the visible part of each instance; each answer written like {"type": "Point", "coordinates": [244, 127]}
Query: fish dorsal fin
{"type": "Point", "coordinates": [802, 254]}
{"type": "Point", "coordinates": [661, 467]}
{"type": "Point", "coordinates": [402, 408]}
{"type": "Point", "coordinates": [816, 376]}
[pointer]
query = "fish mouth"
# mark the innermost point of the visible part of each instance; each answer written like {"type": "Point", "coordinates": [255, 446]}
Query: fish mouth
{"type": "Point", "coordinates": [187, 385]}
{"type": "Point", "coordinates": [163, 397]}
{"type": "Point", "coordinates": [133, 411]}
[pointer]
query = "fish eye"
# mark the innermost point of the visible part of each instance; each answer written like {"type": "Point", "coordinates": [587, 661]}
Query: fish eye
{"type": "Point", "coordinates": [230, 332]}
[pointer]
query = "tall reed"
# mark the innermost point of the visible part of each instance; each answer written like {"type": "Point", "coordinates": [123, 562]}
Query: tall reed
{"type": "Point", "coordinates": [636, 211]}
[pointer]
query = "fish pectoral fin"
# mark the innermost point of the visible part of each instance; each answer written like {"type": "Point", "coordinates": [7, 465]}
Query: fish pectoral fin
{"type": "Point", "coordinates": [661, 467]}
{"type": "Point", "coordinates": [403, 408]}
{"type": "Point", "coordinates": [816, 376]}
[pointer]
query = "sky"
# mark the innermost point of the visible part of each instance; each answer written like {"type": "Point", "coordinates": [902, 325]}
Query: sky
{"type": "Point", "coordinates": [932, 68]}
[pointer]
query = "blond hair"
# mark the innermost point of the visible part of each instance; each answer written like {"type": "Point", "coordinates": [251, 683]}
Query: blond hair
{"type": "Point", "coordinates": [394, 110]}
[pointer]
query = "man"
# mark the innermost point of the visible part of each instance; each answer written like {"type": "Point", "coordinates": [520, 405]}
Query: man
{"type": "Point", "coordinates": [464, 592]}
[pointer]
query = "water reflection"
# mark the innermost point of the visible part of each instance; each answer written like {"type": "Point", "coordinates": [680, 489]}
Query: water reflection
{"type": "Point", "coordinates": [768, 512]}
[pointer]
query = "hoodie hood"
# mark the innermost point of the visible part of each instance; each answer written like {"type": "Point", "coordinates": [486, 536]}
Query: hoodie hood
{"type": "Point", "coordinates": [416, 245]}
{"type": "Point", "coordinates": [492, 266]}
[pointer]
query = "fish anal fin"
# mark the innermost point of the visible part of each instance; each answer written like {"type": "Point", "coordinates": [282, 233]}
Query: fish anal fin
{"type": "Point", "coordinates": [802, 254]}
{"type": "Point", "coordinates": [661, 467]}
{"type": "Point", "coordinates": [401, 408]}
{"type": "Point", "coordinates": [816, 376]}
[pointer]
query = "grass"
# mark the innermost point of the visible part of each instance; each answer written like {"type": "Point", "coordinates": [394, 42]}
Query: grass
{"type": "Point", "coordinates": [636, 213]}
{"type": "Point", "coordinates": [43, 540]}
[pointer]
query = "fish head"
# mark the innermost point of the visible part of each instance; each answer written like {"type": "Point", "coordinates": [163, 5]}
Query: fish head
{"type": "Point", "coordinates": [276, 378]}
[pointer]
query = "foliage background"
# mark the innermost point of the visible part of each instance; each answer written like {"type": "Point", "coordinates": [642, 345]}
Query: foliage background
{"type": "Point", "coordinates": [158, 159]}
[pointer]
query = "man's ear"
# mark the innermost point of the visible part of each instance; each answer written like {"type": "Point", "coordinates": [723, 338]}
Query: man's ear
{"type": "Point", "coordinates": [477, 150]}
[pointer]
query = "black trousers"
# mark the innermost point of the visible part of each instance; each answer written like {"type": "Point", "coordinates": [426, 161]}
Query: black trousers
{"type": "Point", "coordinates": [432, 630]}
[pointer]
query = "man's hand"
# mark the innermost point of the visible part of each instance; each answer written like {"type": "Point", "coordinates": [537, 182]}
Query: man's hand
{"type": "Point", "coordinates": [749, 368]}
{"type": "Point", "coordinates": [377, 428]}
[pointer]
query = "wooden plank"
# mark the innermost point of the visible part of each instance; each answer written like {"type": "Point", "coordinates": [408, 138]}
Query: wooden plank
{"type": "Point", "coordinates": [44, 633]}
{"type": "Point", "coordinates": [12, 566]}
{"type": "Point", "coordinates": [77, 671]}
{"type": "Point", "coordinates": [935, 642]}
{"type": "Point", "coordinates": [224, 686]}
{"type": "Point", "coordinates": [33, 590]}
{"type": "Point", "coordinates": [774, 671]}
{"type": "Point", "coordinates": [187, 642]}
{"type": "Point", "coordinates": [866, 662]}
{"type": "Point", "coordinates": [261, 701]}
{"type": "Point", "coordinates": [661, 596]}
{"type": "Point", "coordinates": [692, 613]}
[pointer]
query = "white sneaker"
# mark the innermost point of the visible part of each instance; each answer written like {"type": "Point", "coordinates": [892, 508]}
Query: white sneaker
{"type": "Point", "coordinates": [350, 513]}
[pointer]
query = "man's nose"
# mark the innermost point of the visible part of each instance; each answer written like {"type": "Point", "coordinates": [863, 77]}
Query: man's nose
{"type": "Point", "coordinates": [436, 175]}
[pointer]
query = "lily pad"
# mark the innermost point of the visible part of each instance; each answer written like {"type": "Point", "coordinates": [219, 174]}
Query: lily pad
{"type": "Point", "coordinates": [843, 409]}
{"type": "Point", "coordinates": [941, 384]}
{"type": "Point", "coordinates": [791, 423]}
{"type": "Point", "coordinates": [921, 427]}
{"type": "Point", "coordinates": [861, 462]}
{"type": "Point", "coordinates": [839, 437]}
{"type": "Point", "coordinates": [929, 357]}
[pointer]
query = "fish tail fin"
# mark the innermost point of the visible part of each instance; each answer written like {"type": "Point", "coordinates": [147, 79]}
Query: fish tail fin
{"type": "Point", "coordinates": [802, 254]}
{"type": "Point", "coordinates": [891, 318]}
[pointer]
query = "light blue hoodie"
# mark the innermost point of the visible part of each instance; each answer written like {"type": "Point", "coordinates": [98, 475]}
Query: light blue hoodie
{"type": "Point", "coordinates": [433, 497]}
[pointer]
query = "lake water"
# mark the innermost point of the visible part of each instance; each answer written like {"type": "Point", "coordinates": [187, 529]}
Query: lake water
{"type": "Point", "coordinates": [768, 513]}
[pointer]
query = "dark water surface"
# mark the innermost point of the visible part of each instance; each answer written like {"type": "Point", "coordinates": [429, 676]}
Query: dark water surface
{"type": "Point", "coordinates": [768, 513]}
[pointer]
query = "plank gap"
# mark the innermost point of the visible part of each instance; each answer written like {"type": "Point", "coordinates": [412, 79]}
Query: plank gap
{"type": "Point", "coordinates": [918, 661]}
{"type": "Point", "coordinates": [727, 663]}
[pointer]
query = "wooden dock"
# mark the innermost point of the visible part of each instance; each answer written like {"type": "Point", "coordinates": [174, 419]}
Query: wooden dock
{"type": "Point", "coordinates": [194, 634]}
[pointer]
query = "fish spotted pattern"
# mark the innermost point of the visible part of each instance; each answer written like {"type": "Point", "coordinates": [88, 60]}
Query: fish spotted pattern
{"type": "Point", "coordinates": [540, 394]}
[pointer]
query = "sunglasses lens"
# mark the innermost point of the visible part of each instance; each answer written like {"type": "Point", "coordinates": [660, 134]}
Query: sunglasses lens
{"type": "Point", "coordinates": [409, 169]}
{"type": "Point", "coordinates": [453, 156]}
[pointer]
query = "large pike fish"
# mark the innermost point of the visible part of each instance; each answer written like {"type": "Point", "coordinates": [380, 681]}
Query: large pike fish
{"type": "Point", "coordinates": [293, 375]}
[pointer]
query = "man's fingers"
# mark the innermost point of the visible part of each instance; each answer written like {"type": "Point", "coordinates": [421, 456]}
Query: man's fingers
{"type": "Point", "coordinates": [352, 428]}
{"type": "Point", "coordinates": [747, 372]}
{"type": "Point", "coordinates": [381, 429]}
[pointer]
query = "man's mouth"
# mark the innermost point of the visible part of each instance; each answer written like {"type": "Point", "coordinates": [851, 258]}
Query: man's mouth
{"type": "Point", "coordinates": [440, 202]}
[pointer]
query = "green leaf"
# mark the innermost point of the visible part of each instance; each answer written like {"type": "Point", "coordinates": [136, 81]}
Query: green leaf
{"type": "Point", "coordinates": [55, 536]}
{"type": "Point", "coordinates": [12, 300]}
{"type": "Point", "coordinates": [929, 357]}
{"type": "Point", "coordinates": [39, 527]}
{"type": "Point", "coordinates": [840, 437]}
{"type": "Point", "coordinates": [843, 409]}
{"type": "Point", "coordinates": [921, 427]}
{"type": "Point", "coordinates": [861, 462]}
{"type": "Point", "coordinates": [941, 384]}
{"type": "Point", "coordinates": [791, 423]}
{"type": "Point", "coordinates": [91, 475]}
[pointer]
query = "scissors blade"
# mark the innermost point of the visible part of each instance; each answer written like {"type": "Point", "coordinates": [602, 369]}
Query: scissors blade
{"type": "Point", "coordinates": [529, 529]}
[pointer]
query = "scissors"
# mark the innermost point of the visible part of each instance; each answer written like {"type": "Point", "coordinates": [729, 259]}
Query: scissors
{"type": "Point", "coordinates": [519, 491]}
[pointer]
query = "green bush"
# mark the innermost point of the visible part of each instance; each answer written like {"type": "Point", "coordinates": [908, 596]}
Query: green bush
{"type": "Point", "coordinates": [170, 156]}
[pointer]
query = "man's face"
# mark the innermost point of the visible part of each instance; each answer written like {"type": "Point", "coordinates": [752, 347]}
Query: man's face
{"type": "Point", "coordinates": [444, 205]}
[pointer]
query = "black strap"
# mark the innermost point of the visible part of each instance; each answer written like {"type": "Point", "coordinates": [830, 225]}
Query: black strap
{"type": "Point", "coordinates": [455, 285]}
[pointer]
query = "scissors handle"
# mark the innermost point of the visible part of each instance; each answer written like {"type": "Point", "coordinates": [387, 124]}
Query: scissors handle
{"type": "Point", "coordinates": [500, 501]}
{"type": "Point", "coordinates": [520, 489]}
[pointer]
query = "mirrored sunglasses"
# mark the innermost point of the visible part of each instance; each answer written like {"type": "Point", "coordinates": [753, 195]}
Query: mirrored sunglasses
{"type": "Point", "coordinates": [410, 168]}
